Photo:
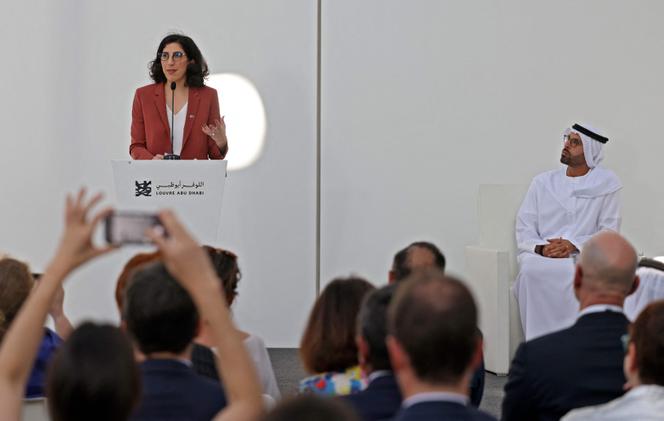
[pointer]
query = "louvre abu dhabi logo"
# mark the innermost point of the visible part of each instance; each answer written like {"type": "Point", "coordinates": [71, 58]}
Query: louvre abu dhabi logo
{"type": "Point", "coordinates": [143, 188]}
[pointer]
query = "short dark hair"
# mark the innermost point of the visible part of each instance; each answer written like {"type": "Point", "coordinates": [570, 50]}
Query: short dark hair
{"type": "Point", "coordinates": [328, 342]}
{"type": "Point", "coordinates": [160, 314]}
{"type": "Point", "coordinates": [400, 262]}
{"type": "Point", "coordinates": [647, 334]}
{"type": "Point", "coordinates": [128, 270]}
{"type": "Point", "coordinates": [228, 271]}
{"type": "Point", "coordinates": [311, 408]}
{"type": "Point", "coordinates": [197, 71]}
{"type": "Point", "coordinates": [372, 325]}
{"type": "Point", "coordinates": [15, 285]}
{"type": "Point", "coordinates": [93, 376]}
{"type": "Point", "coordinates": [434, 318]}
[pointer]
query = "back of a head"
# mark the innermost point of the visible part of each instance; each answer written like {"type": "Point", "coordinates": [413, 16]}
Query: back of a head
{"type": "Point", "coordinates": [418, 255]}
{"type": "Point", "coordinates": [138, 260]}
{"type": "Point", "coordinates": [328, 342]}
{"type": "Point", "coordinates": [372, 325]}
{"type": "Point", "coordinates": [93, 376]}
{"type": "Point", "coordinates": [434, 319]}
{"type": "Point", "coordinates": [159, 313]}
{"type": "Point", "coordinates": [15, 285]}
{"type": "Point", "coordinates": [311, 408]}
{"type": "Point", "coordinates": [647, 334]}
{"type": "Point", "coordinates": [227, 269]}
{"type": "Point", "coordinates": [609, 262]}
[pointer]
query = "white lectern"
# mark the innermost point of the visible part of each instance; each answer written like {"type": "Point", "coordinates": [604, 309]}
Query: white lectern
{"type": "Point", "coordinates": [193, 189]}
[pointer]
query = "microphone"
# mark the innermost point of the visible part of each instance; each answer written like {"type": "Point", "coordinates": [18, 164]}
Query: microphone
{"type": "Point", "coordinates": [171, 155]}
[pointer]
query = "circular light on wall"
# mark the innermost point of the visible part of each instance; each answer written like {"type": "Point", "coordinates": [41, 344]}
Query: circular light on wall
{"type": "Point", "coordinates": [244, 115]}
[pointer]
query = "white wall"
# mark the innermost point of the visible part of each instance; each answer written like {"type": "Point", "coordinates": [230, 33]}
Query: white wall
{"type": "Point", "coordinates": [421, 102]}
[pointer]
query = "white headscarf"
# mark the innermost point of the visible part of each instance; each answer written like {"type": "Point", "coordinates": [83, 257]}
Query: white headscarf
{"type": "Point", "coordinates": [592, 149]}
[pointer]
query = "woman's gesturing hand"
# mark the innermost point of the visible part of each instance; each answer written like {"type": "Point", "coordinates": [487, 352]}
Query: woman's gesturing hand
{"type": "Point", "coordinates": [217, 131]}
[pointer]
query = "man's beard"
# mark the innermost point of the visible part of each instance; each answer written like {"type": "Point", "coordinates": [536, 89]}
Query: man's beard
{"type": "Point", "coordinates": [572, 161]}
{"type": "Point", "coordinates": [565, 158]}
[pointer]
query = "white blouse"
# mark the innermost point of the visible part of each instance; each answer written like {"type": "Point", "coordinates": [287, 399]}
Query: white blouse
{"type": "Point", "coordinates": [261, 358]}
{"type": "Point", "coordinates": [178, 132]}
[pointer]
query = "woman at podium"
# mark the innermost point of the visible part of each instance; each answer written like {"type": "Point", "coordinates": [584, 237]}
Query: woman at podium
{"type": "Point", "coordinates": [177, 116]}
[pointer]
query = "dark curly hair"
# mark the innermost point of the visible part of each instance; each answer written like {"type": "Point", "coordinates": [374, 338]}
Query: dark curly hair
{"type": "Point", "coordinates": [228, 271]}
{"type": "Point", "coordinates": [197, 71]}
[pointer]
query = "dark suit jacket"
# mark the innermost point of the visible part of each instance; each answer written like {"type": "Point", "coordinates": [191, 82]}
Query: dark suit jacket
{"type": "Point", "coordinates": [151, 134]}
{"type": "Point", "coordinates": [172, 391]}
{"type": "Point", "coordinates": [477, 385]}
{"type": "Point", "coordinates": [441, 411]}
{"type": "Point", "coordinates": [380, 400]}
{"type": "Point", "coordinates": [203, 362]}
{"type": "Point", "coordinates": [578, 366]}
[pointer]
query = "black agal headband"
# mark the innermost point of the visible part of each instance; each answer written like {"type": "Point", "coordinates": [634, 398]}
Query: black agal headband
{"type": "Point", "coordinates": [590, 134]}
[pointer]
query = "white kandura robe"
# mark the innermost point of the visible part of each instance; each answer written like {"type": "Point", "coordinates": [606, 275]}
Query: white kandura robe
{"type": "Point", "coordinates": [574, 208]}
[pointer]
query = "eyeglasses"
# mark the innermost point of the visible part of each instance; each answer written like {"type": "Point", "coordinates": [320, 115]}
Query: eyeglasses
{"type": "Point", "coordinates": [572, 141]}
{"type": "Point", "coordinates": [177, 56]}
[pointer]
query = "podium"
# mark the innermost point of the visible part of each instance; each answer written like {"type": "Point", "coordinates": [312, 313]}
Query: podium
{"type": "Point", "coordinates": [193, 189]}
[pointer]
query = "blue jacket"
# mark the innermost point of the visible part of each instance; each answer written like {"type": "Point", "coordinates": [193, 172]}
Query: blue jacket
{"type": "Point", "coordinates": [173, 391]}
{"type": "Point", "coordinates": [380, 400]}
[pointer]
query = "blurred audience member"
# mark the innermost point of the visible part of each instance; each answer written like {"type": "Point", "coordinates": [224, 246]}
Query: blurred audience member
{"type": "Point", "coordinates": [644, 369]}
{"type": "Point", "coordinates": [422, 255]}
{"type": "Point", "coordinates": [16, 282]}
{"type": "Point", "coordinates": [581, 365]}
{"type": "Point", "coordinates": [202, 357]}
{"type": "Point", "coordinates": [434, 347]}
{"type": "Point", "coordinates": [162, 318]}
{"type": "Point", "coordinates": [93, 376]}
{"type": "Point", "coordinates": [228, 271]}
{"type": "Point", "coordinates": [328, 346]}
{"type": "Point", "coordinates": [382, 398]}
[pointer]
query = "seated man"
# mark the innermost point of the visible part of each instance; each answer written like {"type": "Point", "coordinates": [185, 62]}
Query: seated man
{"type": "Point", "coordinates": [382, 398]}
{"type": "Point", "coordinates": [561, 211]}
{"type": "Point", "coordinates": [422, 255]}
{"type": "Point", "coordinates": [434, 348]}
{"type": "Point", "coordinates": [644, 369]}
{"type": "Point", "coordinates": [580, 365]}
{"type": "Point", "coordinates": [162, 319]}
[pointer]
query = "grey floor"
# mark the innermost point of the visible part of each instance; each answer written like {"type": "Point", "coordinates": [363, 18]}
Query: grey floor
{"type": "Point", "coordinates": [289, 371]}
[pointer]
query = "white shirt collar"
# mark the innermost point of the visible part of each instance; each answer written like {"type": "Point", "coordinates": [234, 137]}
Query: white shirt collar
{"type": "Point", "coordinates": [186, 362]}
{"type": "Point", "coordinates": [599, 308]}
{"type": "Point", "coordinates": [378, 373]}
{"type": "Point", "coordinates": [435, 397]}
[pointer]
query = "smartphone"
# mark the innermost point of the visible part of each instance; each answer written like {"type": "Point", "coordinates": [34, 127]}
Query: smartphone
{"type": "Point", "coordinates": [129, 227]}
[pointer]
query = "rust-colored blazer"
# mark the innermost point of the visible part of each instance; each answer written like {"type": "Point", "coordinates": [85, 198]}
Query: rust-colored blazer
{"type": "Point", "coordinates": [151, 134]}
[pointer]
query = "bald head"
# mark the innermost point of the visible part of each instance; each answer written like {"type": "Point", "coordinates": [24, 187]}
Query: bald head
{"type": "Point", "coordinates": [608, 262]}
